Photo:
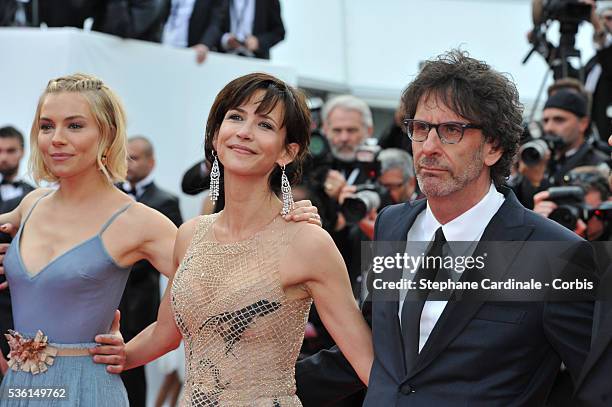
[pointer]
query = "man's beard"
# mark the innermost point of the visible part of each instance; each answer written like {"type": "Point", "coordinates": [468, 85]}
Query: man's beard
{"type": "Point", "coordinates": [344, 155]}
{"type": "Point", "coordinates": [9, 172]}
{"type": "Point", "coordinates": [436, 187]}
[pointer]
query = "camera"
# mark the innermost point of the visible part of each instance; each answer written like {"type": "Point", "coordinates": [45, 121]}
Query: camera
{"type": "Point", "coordinates": [534, 151]}
{"type": "Point", "coordinates": [570, 11]}
{"type": "Point", "coordinates": [570, 205]}
{"type": "Point", "coordinates": [569, 14]}
{"type": "Point", "coordinates": [603, 212]}
{"type": "Point", "coordinates": [369, 195]}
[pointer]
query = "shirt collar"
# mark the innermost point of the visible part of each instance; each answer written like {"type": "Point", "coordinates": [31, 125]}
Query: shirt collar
{"type": "Point", "coordinates": [140, 185]}
{"type": "Point", "coordinates": [470, 225]}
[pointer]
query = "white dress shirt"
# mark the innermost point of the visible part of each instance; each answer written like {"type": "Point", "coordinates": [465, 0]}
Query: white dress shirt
{"type": "Point", "coordinates": [242, 17]}
{"type": "Point", "coordinates": [176, 30]}
{"type": "Point", "coordinates": [139, 188]}
{"type": "Point", "coordinates": [10, 191]}
{"type": "Point", "coordinates": [468, 227]}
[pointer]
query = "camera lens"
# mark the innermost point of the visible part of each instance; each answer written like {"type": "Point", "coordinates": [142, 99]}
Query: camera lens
{"type": "Point", "coordinates": [565, 215]}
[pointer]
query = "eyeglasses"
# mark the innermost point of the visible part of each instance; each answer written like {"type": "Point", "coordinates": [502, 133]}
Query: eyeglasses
{"type": "Point", "coordinates": [392, 186]}
{"type": "Point", "coordinates": [449, 132]}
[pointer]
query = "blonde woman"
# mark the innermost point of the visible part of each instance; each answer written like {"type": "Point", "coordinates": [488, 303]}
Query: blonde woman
{"type": "Point", "coordinates": [69, 262]}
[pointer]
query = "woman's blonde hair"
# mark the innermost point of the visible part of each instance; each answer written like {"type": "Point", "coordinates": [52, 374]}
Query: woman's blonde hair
{"type": "Point", "coordinates": [109, 115]}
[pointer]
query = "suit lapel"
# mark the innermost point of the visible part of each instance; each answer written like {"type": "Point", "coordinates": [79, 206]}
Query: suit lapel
{"type": "Point", "coordinates": [506, 225]}
{"type": "Point", "coordinates": [147, 194]}
{"type": "Point", "coordinates": [386, 326]}
{"type": "Point", "coordinates": [260, 14]}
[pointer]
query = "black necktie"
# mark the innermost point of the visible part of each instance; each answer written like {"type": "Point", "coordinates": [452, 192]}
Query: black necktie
{"type": "Point", "coordinates": [412, 309]}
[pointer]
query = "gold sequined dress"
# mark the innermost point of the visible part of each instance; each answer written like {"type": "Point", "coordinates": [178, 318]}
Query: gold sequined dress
{"type": "Point", "coordinates": [242, 334]}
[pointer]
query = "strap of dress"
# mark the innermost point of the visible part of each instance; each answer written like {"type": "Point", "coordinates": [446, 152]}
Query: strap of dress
{"type": "Point", "coordinates": [34, 206]}
{"type": "Point", "coordinates": [112, 218]}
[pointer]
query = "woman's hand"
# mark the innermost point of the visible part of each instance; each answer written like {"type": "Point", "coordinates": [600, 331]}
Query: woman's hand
{"type": "Point", "coordinates": [112, 348]}
{"type": "Point", "coordinates": [304, 211]}
{"type": "Point", "coordinates": [4, 367]}
{"type": "Point", "coordinates": [11, 230]}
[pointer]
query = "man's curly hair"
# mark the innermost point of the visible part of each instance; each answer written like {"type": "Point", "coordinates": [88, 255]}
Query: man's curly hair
{"type": "Point", "coordinates": [479, 94]}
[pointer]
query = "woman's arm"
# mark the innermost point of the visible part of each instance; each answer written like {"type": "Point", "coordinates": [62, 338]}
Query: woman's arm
{"type": "Point", "coordinates": [160, 235]}
{"type": "Point", "coordinates": [14, 217]}
{"type": "Point", "coordinates": [321, 267]}
{"type": "Point", "coordinates": [10, 221]}
{"type": "Point", "coordinates": [163, 335]}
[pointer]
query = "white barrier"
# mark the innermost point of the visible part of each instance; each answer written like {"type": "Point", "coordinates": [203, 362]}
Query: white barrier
{"type": "Point", "coordinates": [167, 95]}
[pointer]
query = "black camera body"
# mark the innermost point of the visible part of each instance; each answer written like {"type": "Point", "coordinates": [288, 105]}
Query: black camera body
{"type": "Point", "coordinates": [570, 205]}
{"type": "Point", "coordinates": [567, 11]}
{"type": "Point", "coordinates": [603, 212]}
{"type": "Point", "coordinates": [369, 195]}
{"type": "Point", "coordinates": [534, 150]}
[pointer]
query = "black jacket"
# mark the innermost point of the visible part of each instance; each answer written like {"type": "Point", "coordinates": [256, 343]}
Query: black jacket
{"type": "Point", "coordinates": [140, 300]}
{"type": "Point", "coordinates": [480, 353]}
{"type": "Point", "coordinates": [204, 23]}
{"type": "Point", "coordinates": [6, 311]}
{"type": "Point", "coordinates": [267, 26]}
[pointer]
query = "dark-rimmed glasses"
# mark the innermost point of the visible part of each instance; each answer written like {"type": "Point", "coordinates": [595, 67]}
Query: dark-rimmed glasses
{"type": "Point", "coordinates": [448, 132]}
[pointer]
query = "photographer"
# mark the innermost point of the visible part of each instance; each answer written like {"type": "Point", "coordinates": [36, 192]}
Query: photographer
{"type": "Point", "coordinates": [565, 122]}
{"type": "Point", "coordinates": [397, 175]}
{"type": "Point", "coordinates": [564, 145]}
{"type": "Point", "coordinates": [581, 206]}
{"type": "Point", "coordinates": [347, 123]}
{"type": "Point", "coordinates": [398, 180]}
{"type": "Point", "coordinates": [341, 178]}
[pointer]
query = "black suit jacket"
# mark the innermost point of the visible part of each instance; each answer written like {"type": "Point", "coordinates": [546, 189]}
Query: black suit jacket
{"type": "Point", "coordinates": [479, 353]}
{"type": "Point", "coordinates": [6, 312]}
{"type": "Point", "coordinates": [594, 388]}
{"type": "Point", "coordinates": [267, 26]}
{"type": "Point", "coordinates": [140, 299]}
{"type": "Point", "coordinates": [140, 19]}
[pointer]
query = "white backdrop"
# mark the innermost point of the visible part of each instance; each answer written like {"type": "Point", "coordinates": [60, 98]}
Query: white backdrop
{"type": "Point", "coordinates": [374, 47]}
{"type": "Point", "coordinates": [167, 96]}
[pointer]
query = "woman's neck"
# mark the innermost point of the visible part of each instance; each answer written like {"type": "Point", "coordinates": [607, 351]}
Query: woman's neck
{"type": "Point", "coordinates": [83, 187]}
{"type": "Point", "coordinates": [249, 206]}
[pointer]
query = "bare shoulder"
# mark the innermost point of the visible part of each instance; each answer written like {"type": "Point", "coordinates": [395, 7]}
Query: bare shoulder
{"type": "Point", "coordinates": [145, 215]}
{"type": "Point", "coordinates": [34, 196]}
{"type": "Point", "coordinates": [187, 230]}
{"type": "Point", "coordinates": [312, 242]}
{"type": "Point", "coordinates": [30, 199]}
{"type": "Point", "coordinates": [184, 237]}
{"type": "Point", "coordinates": [311, 237]}
{"type": "Point", "coordinates": [312, 255]}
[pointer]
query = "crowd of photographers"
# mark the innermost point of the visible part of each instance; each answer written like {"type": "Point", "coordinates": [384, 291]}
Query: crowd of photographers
{"type": "Point", "coordinates": [562, 172]}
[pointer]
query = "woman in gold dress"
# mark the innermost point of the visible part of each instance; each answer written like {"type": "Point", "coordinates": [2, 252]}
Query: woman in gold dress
{"type": "Point", "coordinates": [245, 279]}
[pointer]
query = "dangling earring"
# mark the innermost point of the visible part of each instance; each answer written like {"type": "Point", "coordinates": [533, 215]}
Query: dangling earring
{"type": "Point", "coordinates": [215, 175]}
{"type": "Point", "coordinates": [287, 194]}
{"type": "Point", "coordinates": [103, 160]}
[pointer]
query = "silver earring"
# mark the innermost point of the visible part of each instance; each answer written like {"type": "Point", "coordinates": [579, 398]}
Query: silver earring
{"type": "Point", "coordinates": [287, 194]}
{"type": "Point", "coordinates": [215, 175]}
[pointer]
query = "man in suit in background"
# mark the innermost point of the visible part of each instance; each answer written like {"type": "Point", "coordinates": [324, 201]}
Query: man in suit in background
{"type": "Point", "coordinates": [12, 191]}
{"type": "Point", "coordinates": [464, 120]}
{"type": "Point", "coordinates": [195, 24]}
{"type": "Point", "coordinates": [252, 27]}
{"type": "Point", "coordinates": [141, 297]}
